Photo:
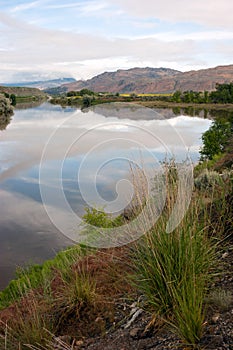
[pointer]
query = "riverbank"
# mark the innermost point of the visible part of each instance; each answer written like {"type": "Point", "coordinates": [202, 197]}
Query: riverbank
{"type": "Point", "coordinates": [89, 299]}
{"type": "Point", "coordinates": [100, 298]}
{"type": "Point", "coordinates": [208, 106]}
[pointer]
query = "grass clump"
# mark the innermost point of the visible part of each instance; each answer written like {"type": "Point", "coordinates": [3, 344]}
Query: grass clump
{"type": "Point", "coordinates": [172, 270]}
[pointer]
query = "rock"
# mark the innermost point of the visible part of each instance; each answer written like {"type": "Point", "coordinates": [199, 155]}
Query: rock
{"type": "Point", "coordinates": [212, 341]}
{"type": "Point", "coordinates": [216, 341]}
{"type": "Point", "coordinates": [60, 342]}
{"type": "Point", "coordinates": [79, 342]}
{"type": "Point", "coordinates": [135, 333]}
{"type": "Point", "coordinates": [215, 318]}
{"type": "Point", "coordinates": [225, 255]}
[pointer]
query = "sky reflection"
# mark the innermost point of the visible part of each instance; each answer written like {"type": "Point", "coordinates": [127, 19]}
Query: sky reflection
{"type": "Point", "coordinates": [75, 149]}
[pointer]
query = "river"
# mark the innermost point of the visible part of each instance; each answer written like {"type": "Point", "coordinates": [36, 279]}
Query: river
{"type": "Point", "coordinates": [52, 158]}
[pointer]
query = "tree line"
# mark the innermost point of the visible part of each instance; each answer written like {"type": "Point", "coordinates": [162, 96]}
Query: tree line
{"type": "Point", "coordinates": [222, 94]}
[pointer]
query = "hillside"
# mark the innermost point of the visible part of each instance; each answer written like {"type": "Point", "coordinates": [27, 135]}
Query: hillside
{"type": "Point", "coordinates": [22, 91]}
{"type": "Point", "coordinates": [155, 80]}
{"type": "Point", "coordinates": [131, 80]}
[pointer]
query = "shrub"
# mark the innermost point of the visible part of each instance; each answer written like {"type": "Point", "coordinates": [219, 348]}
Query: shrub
{"type": "Point", "coordinates": [208, 179]}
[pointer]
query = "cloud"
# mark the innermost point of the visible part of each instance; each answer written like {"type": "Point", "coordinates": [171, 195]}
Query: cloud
{"type": "Point", "coordinates": [209, 12]}
{"type": "Point", "coordinates": [33, 48]}
{"type": "Point", "coordinates": [85, 8]}
{"type": "Point", "coordinates": [194, 36]}
{"type": "Point", "coordinates": [46, 52]}
{"type": "Point", "coordinates": [26, 6]}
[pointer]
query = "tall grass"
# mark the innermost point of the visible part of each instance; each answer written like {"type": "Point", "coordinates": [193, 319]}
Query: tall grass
{"type": "Point", "coordinates": [38, 313]}
{"type": "Point", "coordinates": [172, 269]}
{"type": "Point", "coordinates": [39, 275]}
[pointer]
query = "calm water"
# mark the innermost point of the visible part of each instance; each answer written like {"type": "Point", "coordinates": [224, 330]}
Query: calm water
{"type": "Point", "coordinates": [51, 158]}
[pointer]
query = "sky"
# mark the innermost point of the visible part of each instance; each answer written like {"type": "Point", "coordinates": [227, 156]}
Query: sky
{"type": "Point", "coordinates": [47, 39]}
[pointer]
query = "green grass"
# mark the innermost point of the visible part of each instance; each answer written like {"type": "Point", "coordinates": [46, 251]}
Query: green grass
{"type": "Point", "coordinates": [39, 275]}
{"type": "Point", "coordinates": [172, 270]}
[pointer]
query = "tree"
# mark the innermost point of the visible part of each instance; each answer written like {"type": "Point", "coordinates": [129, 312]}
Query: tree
{"type": "Point", "coordinates": [215, 139]}
{"type": "Point", "coordinates": [87, 101]}
{"type": "Point", "coordinates": [13, 99]}
{"type": "Point", "coordinates": [176, 97]}
{"type": "Point", "coordinates": [72, 93]}
{"type": "Point", "coordinates": [86, 92]}
{"type": "Point", "coordinates": [206, 97]}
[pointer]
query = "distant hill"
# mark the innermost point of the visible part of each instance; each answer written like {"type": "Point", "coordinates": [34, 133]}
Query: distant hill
{"type": "Point", "coordinates": [21, 91]}
{"type": "Point", "coordinates": [42, 84]}
{"type": "Point", "coordinates": [154, 80]}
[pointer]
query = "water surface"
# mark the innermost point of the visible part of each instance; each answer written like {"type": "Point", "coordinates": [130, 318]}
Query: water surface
{"type": "Point", "coordinates": [88, 154]}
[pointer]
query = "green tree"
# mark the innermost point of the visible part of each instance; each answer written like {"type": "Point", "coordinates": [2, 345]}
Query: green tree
{"type": "Point", "coordinates": [87, 101]}
{"type": "Point", "coordinates": [13, 99]}
{"type": "Point", "coordinates": [215, 139]}
{"type": "Point", "coordinates": [72, 93]}
{"type": "Point", "coordinates": [176, 97]}
{"type": "Point", "coordinates": [86, 92]}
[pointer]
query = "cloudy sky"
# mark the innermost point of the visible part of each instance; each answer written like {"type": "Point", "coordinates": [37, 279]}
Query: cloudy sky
{"type": "Point", "coordinates": [46, 39]}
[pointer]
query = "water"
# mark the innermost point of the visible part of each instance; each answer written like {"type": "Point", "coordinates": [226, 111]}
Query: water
{"type": "Point", "coordinates": [53, 158]}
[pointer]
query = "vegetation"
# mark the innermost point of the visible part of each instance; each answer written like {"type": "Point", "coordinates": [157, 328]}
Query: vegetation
{"type": "Point", "coordinates": [222, 94]}
{"type": "Point", "coordinates": [77, 292]}
{"type": "Point", "coordinates": [6, 112]}
{"type": "Point", "coordinates": [216, 138]}
{"type": "Point", "coordinates": [39, 275]}
{"type": "Point", "coordinates": [172, 271]}
{"type": "Point", "coordinates": [85, 97]}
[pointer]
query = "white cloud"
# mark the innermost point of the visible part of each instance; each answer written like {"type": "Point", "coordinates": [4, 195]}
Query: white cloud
{"type": "Point", "coordinates": [85, 8]}
{"type": "Point", "coordinates": [194, 36]}
{"type": "Point", "coordinates": [36, 49]}
{"type": "Point", "coordinates": [26, 6]}
{"type": "Point", "coordinates": [209, 12]}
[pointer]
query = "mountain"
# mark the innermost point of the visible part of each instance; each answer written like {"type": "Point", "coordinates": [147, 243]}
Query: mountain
{"type": "Point", "coordinates": [42, 84]}
{"type": "Point", "coordinates": [154, 80]}
{"type": "Point", "coordinates": [131, 80]}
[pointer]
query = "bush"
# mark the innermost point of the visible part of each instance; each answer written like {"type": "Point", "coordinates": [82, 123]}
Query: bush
{"type": "Point", "coordinates": [208, 179]}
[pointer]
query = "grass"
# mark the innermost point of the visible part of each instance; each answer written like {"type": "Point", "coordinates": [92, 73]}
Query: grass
{"type": "Point", "coordinates": [171, 270]}
{"type": "Point", "coordinates": [39, 275]}
{"type": "Point", "coordinates": [76, 296]}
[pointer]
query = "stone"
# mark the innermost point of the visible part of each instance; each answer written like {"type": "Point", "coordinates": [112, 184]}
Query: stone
{"type": "Point", "coordinates": [215, 318]}
{"type": "Point", "coordinates": [135, 333]}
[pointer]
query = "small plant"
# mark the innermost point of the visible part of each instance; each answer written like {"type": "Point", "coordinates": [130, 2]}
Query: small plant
{"type": "Point", "coordinates": [221, 298]}
{"type": "Point", "coordinates": [77, 292]}
{"type": "Point", "coordinates": [208, 179]}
